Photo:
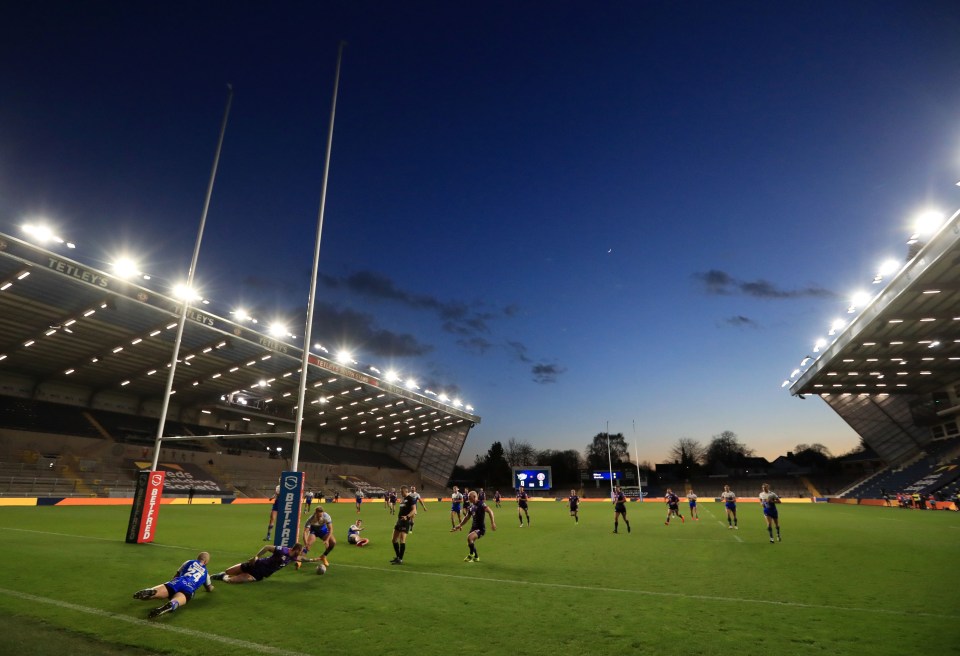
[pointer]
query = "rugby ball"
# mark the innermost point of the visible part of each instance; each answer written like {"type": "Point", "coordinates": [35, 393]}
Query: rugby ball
{"type": "Point", "coordinates": [321, 569]}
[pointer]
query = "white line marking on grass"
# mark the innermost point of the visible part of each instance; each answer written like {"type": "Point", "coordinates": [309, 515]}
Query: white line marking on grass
{"type": "Point", "coordinates": [735, 536]}
{"type": "Point", "coordinates": [233, 642]}
{"type": "Point", "coordinates": [85, 537]}
{"type": "Point", "coordinates": [93, 537]}
{"type": "Point", "coordinates": [654, 593]}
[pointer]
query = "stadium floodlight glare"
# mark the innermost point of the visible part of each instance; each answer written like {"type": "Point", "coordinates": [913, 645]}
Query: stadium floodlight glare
{"type": "Point", "coordinates": [819, 344]}
{"type": "Point", "coordinates": [887, 268]}
{"type": "Point", "coordinates": [858, 300]}
{"type": "Point", "coordinates": [391, 376]}
{"type": "Point", "coordinates": [185, 293]}
{"type": "Point", "coordinates": [277, 329]}
{"type": "Point", "coordinates": [124, 267]}
{"type": "Point", "coordinates": [344, 357]}
{"type": "Point", "coordinates": [411, 384]}
{"type": "Point", "coordinates": [837, 324]}
{"type": "Point", "coordinates": [928, 222]}
{"type": "Point", "coordinates": [241, 315]}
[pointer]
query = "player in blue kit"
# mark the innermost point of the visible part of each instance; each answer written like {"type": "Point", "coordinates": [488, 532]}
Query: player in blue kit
{"type": "Point", "coordinates": [673, 506]}
{"type": "Point", "coordinates": [574, 506]}
{"type": "Point", "coordinates": [522, 508]}
{"type": "Point", "coordinates": [729, 500]}
{"type": "Point", "coordinates": [456, 501]}
{"type": "Point", "coordinates": [179, 590]}
{"type": "Point", "coordinates": [261, 566]}
{"type": "Point", "coordinates": [769, 500]}
{"type": "Point", "coordinates": [619, 509]}
{"type": "Point", "coordinates": [479, 511]}
{"type": "Point", "coordinates": [319, 526]}
{"type": "Point", "coordinates": [692, 500]}
{"type": "Point", "coordinates": [354, 537]}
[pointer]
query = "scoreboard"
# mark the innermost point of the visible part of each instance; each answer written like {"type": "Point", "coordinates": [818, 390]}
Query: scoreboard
{"type": "Point", "coordinates": [532, 478]}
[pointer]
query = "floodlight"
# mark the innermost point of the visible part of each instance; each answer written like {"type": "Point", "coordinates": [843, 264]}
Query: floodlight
{"type": "Point", "coordinates": [391, 376]}
{"type": "Point", "coordinates": [928, 222]}
{"type": "Point", "coordinates": [277, 329]}
{"type": "Point", "coordinates": [184, 292]}
{"type": "Point", "coordinates": [125, 267]}
{"type": "Point", "coordinates": [344, 357]}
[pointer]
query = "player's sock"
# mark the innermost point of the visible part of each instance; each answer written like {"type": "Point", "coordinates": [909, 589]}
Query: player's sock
{"type": "Point", "coordinates": [616, 525]}
{"type": "Point", "coordinates": [682, 520]}
{"type": "Point", "coordinates": [396, 548]}
{"type": "Point", "coordinates": [628, 525]}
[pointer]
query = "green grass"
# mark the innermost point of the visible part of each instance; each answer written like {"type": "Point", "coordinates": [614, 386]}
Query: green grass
{"type": "Point", "coordinates": [845, 580]}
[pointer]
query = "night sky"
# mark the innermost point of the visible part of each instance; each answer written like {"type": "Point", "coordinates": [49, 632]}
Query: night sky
{"type": "Point", "coordinates": [566, 214]}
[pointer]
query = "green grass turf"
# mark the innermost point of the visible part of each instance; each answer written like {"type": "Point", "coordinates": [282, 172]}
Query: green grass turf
{"type": "Point", "coordinates": [845, 580]}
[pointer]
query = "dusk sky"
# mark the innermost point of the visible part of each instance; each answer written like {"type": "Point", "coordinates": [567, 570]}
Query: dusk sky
{"type": "Point", "coordinates": [568, 214]}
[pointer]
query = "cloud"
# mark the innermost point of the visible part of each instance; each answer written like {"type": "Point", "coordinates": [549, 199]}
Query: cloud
{"type": "Point", "coordinates": [740, 321]}
{"type": "Point", "coordinates": [721, 283]}
{"type": "Point", "coordinates": [457, 317]}
{"type": "Point", "coordinates": [544, 373]}
{"type": "Point", "coordinates": [334, 326]}
{"type": "Point", "coordinates": [471, 323]}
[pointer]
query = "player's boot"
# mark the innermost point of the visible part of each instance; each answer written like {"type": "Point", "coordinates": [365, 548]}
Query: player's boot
{"type": "Point", "coordinates": [468, 559]}
{"type": "Point", "coordinates": [476, 559]}
{"type": "Point", "coordinates": [144, 594]}
{"type": "Point", "coordinates": [323, 559]}
{"type": "Point", "coordinates": [218, 576]}
{"type": "Point", "coordinates": [771, 540]}
{"type": "Point", "coordinates": [166, 608]}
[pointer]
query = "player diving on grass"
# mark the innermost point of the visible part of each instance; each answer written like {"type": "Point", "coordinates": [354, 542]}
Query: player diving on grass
{"type": "Point", "coordinates": [179, 590]}
{"type": "Point", "coordinates": [769, 500]}
{"type": "Point", "coordinates": [261, 566]}
{"type": "Point", "coordinates": [479, 511]}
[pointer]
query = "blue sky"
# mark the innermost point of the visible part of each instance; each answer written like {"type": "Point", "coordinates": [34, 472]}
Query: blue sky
{"type": "Point", "coordinates": [568, 213]}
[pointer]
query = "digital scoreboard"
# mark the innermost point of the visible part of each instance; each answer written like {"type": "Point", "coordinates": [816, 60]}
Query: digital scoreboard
{"type": "Point", "coordinates": [532, 478]}
{"type": "Point", "coordinates": [605, 475]}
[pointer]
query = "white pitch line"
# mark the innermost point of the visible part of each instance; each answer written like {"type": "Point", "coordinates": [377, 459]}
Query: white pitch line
{"type": "Point", "coordinates": [232, 642]}
{"type": "Point", "coordinates": [735, 536]}
{"type": "Point", "coordinates": [655, 593]}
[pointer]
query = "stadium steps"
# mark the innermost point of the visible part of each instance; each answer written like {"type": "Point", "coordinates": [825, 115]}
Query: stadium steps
{"type": "Point", "coordinates": [98, 427]}
{"type": "Point", "coordinates": [80, 485]}
{"type": "Point", "coordinates": [814, 492]}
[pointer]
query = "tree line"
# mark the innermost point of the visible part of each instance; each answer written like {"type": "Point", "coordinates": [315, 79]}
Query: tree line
{"type": "Point", "coordinates": [724, 450]}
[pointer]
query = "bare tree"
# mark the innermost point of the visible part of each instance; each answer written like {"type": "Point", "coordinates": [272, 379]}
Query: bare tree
{"type": "Point", "coordinates": [519, 453]}
{"type": "Point", "coordinates": [688, 452]}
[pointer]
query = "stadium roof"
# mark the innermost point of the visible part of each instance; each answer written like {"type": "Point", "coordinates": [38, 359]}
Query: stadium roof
{"type": "Point", "coordinates": [907, 339]}
{"type": "Point", "coordinates": [68, 324]}
{"type": "Point", "coordinates": [883, 369]}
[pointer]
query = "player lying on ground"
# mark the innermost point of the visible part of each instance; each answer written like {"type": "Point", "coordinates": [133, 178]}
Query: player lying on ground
{"type": "Point", "coordinates": [179, 590]}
